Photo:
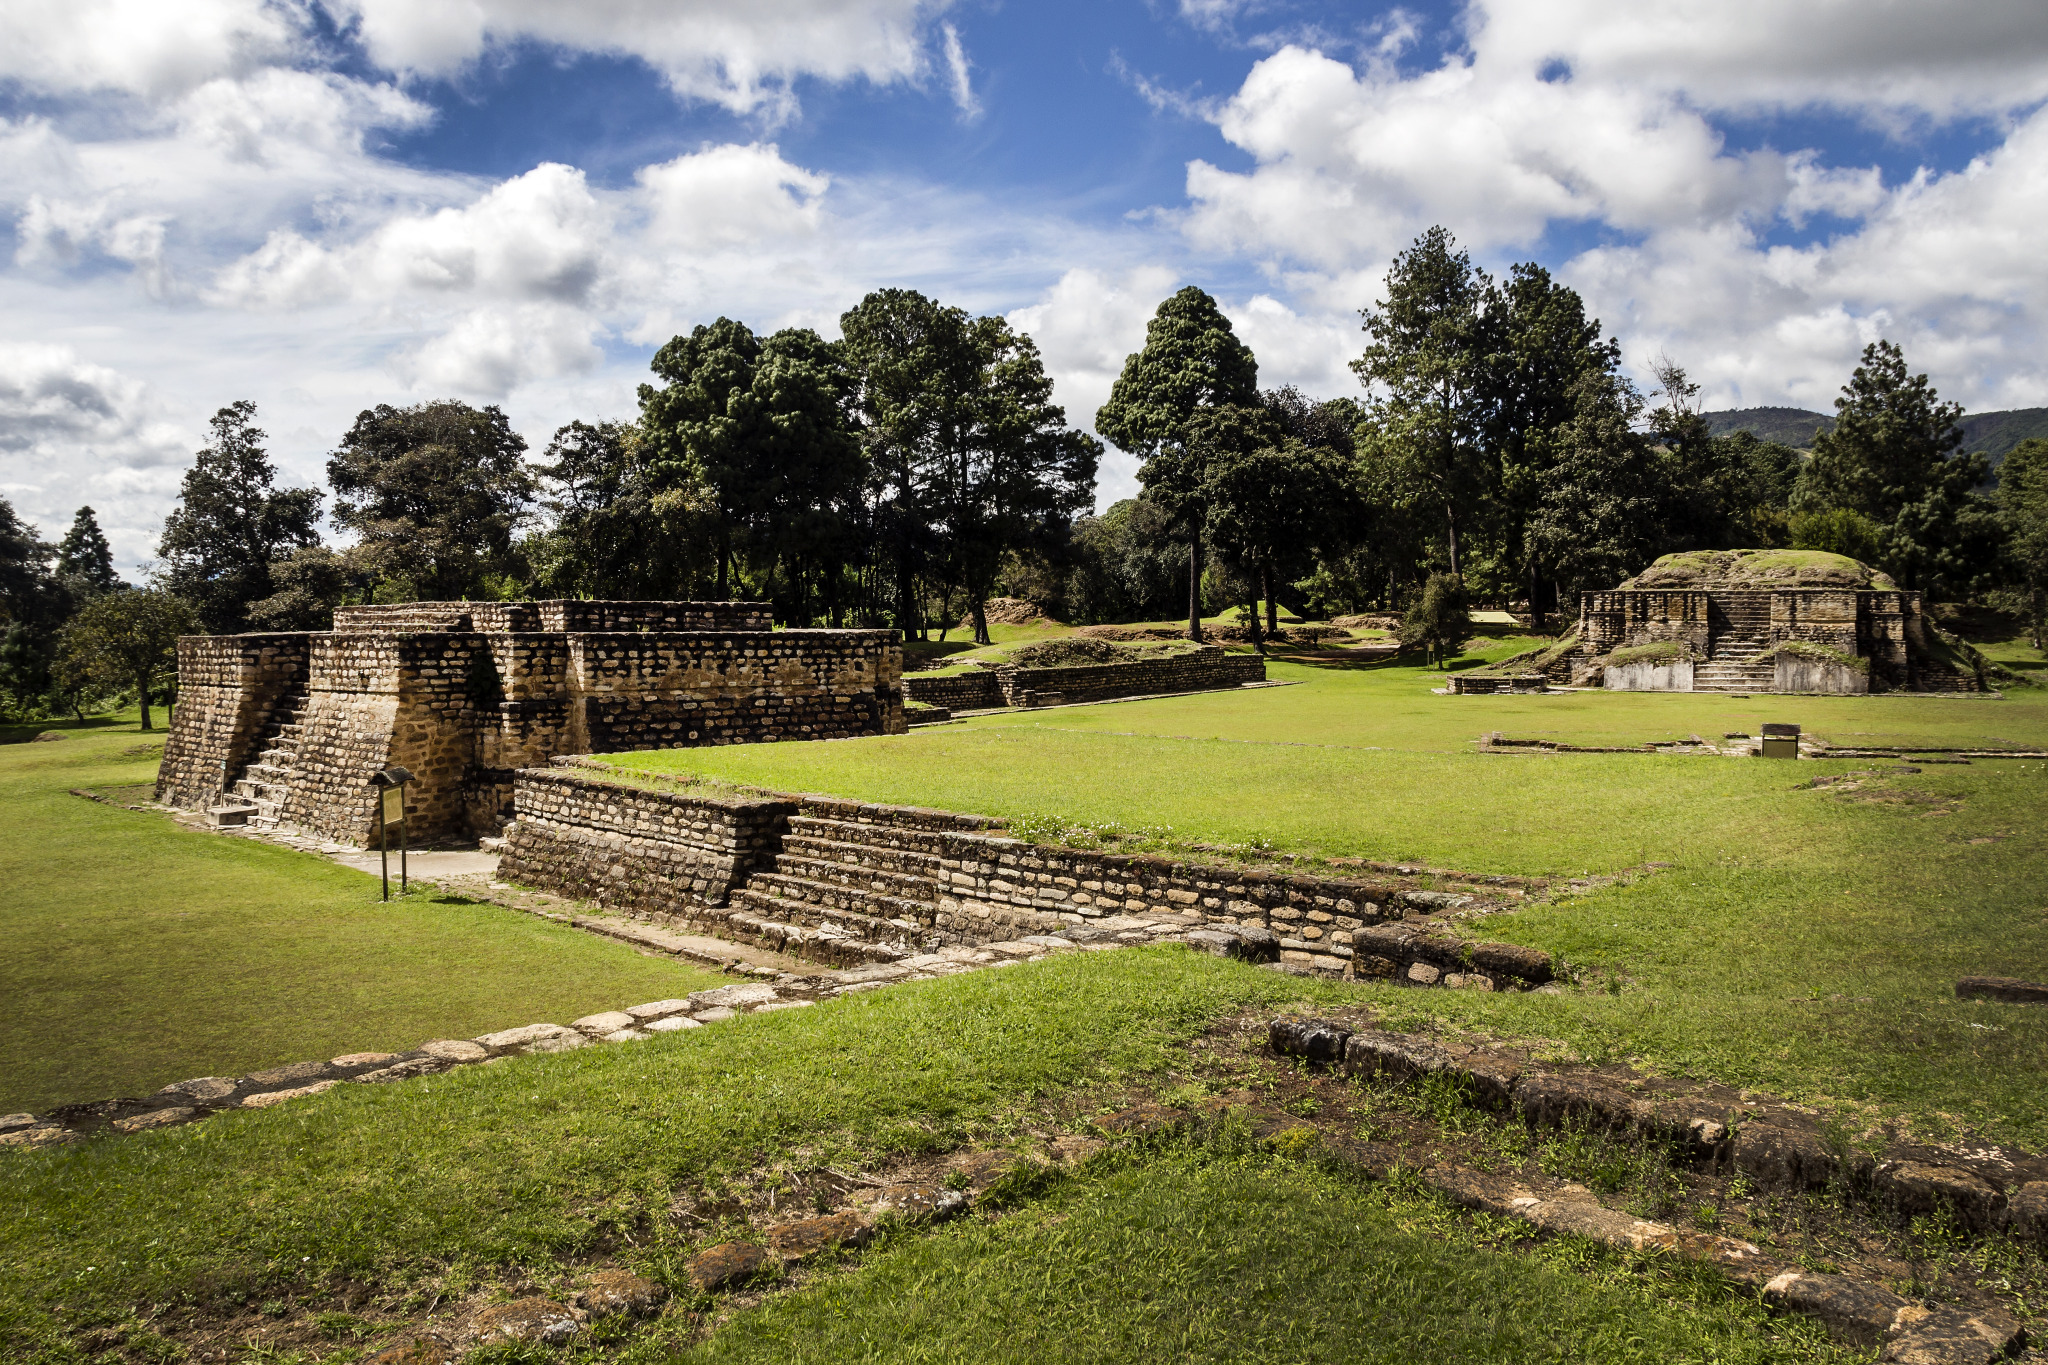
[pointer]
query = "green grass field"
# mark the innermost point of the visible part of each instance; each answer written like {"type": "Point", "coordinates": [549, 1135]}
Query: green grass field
{"type": "Point", "coordinates": [1802, 940]}
{"type": "Point", "coordinates": [1805, 940]}
{"type": "Point", "coordinates": [519, 1171]}
{"type": "Point", "coordinates": [136, 952]}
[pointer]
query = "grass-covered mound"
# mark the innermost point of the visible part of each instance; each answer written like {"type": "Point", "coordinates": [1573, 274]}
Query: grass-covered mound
{"type": "Point", "coordinates": [1760, 570]}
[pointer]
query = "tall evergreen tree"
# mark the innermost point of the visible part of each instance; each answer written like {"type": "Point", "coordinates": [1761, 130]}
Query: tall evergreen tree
{"type": "Point", "coordinates": [1429, 358]}
{"type": "Point", "coordinates": [231, 523]}
{"type": "Point", "coordinates": [85, 562]}
{"type": "Point", "coordinates": [1598, 518]}
{"type": "Point", "coordinates": [1192, 361]}
{"type": "Point", "coordinates": [1895, 457]}
{"type": "Point", "coordinates": [433, 494]}
{"type": "Point", "coordinates": [1540, 346]}
{"type": "Point", "coordinates": [31, 606]}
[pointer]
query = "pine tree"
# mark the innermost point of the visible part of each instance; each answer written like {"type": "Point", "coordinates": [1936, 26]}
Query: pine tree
{"type": "Point", "coordinates": [85, 562]}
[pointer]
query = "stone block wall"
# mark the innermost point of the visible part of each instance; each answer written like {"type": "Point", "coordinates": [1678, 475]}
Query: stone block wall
{"type": "Point", "coordinates": [232, 691]}
{"type": "Point", "coordinates": [666, 852]}
{"type": "Point", "coordinates": [666, 691]}
{"type": "Point", "coordinates": [1201, 670]}
{"type": "Point", "coordinates": [1610, 620]}
{"type": "Point", "coordinates": [437, 688]}
{"type": "Point", "coordinates": [675, 856]}
{"type": "Point", "coordinates": [975, 691]}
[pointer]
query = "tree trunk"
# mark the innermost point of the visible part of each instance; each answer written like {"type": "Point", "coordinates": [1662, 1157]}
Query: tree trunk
{"type": "Point", "coordinates": [980, 621]}
{"type": "Point", "coordinates": [1266, 584]}
{"type": "Point", "coordinates": [724, 565]}
{"type": "Point", "coordinates": [142, 691]}
{"type": "Point", "coordinates": [906, 594]}
{"type": "Point", "coordinates": [1195, 586]}
{"type": "Point", "coordinates": [1258, 636]}
{"type": "Point", "coordinates": [1451, 522]}
{"type": "Point", "coordinates": [1535, 602]}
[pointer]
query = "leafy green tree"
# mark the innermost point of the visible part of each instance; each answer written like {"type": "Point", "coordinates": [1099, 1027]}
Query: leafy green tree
{"type": "Point", "coordinates": [1192, 361]}
{"type": "Point", "coordinates": [808, 469]}
{"type": "Point", "coordinates": [1719, 492]}
{"type": "Point", "coordinates": [85, 562]}
{"type": "Point", "coordinates": [702, 430]}
{"type": "Point", "coordinates": [1439, 621]}
{"type": "Point", "coordinates": [1838, 531]}
{"type": "Point", "coordinates": [126, 638]}
{"type": "Point", "coordinates": [620, 530]}
{"type": "Point", "coordinates": [309, 584]}
{"type": "Point", "coordinates": [1895, 457]}
{"type": "Point", "coordinates": [231, 522]}
{"type": "Point", "coordinates": [1126, 564]}
{"type": "Point", "coordinates": [1599, 520]}
{"type": "Point", "coordinates": [1269, 496]}
{"type": "Point", "coordinates": [1429, 358]}
{"type": "Point", "coordinates": [916, 366]}
{"type": "Point", "coordinates": [1540, 345]}
{"type": "Point", "coordinates": [2023, 504]}
{"type": "Point", "coordinates": [433, 494]}
{"type": "Point", "coordinates": [1014, 474]}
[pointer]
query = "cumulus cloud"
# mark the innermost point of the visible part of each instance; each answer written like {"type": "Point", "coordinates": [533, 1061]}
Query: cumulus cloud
{"type": "Point", "coordinates": [742, 54]}
{"type": "Point", "coordinates": [1566, 112]}
{"type": "Point", "coordinates": [141, 47]}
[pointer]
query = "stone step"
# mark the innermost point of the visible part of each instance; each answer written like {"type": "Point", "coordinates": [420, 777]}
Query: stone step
{"type": "Point", "coordinates": [860, 914]}
{"type": "Point", "coordinates": [903, 861]}
{"type": "Point", "coordinates": [889, 836]}
{"type": "Point", "coordinates": [229, 814]}
{"type": "Point", "coordinates": [913, 886]}
{"type": "Point", "coordinates": [761, 923]}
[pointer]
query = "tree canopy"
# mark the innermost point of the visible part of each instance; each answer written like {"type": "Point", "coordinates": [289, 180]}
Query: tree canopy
{"type": "Point", "coordinates": [232, 523]}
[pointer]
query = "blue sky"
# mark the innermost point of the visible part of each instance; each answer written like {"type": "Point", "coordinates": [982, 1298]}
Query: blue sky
{"type": "Point", "coordinates": [323, 204]}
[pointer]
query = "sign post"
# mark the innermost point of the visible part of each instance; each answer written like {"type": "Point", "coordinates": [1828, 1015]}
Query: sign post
{"type": "Point", "coordinates": [390, 784]}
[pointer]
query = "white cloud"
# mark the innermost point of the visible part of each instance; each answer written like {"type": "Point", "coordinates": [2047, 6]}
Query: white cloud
{"type": "Point", "coordinates": [1567, 112]}
{"type": "Point", "coordinates": [959, 73]}
{"type": "Point", "coordinates": [141, 47]}
{"type": "Point", "coordinates": [1988, 55]}
{"type": "Point", "coordinates": [742, 54]}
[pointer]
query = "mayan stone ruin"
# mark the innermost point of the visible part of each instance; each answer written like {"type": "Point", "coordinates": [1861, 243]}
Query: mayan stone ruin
{"type": "Point", "coordinates": [1760, 621]}
{"type": "Point", "coordinates": [287, 729]}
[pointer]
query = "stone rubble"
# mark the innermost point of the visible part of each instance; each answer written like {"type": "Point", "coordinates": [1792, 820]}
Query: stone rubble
{"type": "Point", "coordinates": [1778, 1145]}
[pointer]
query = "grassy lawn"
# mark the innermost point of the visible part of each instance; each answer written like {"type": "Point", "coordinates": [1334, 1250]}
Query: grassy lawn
{"type": "Point", "coordinates": [1804, 940]}
{"type": "Point", "coordinates": [522, 1169]}
{"type": "Point", "coordinates": [136, 953]}
{"type": "Point", "coordinates": [1246, 1258]}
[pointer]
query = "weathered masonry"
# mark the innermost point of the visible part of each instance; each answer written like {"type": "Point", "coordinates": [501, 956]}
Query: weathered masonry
{"type": "Point", "coordinates": [1201, 670]}
{"type": "Point", "coordinates": [1760, 621]}
{"type": "Point", "coordinates": [849, 883]}
{"type": "Point", "coordinates": [288, 728]}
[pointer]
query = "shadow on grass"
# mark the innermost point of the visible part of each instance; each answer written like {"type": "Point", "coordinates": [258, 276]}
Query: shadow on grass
{"type": "Point", "coordinates": [26, 731]}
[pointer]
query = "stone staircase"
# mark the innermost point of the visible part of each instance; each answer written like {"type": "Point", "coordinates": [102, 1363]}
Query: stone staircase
{"type": "Point", "coordinates": [260, 791]}
{"type": "Point", "coordinates": [1741, 646]}
{"type": "Point", "coordinates": [848, 892]}
{"type": "Point", "coordinates": [1737, 666]}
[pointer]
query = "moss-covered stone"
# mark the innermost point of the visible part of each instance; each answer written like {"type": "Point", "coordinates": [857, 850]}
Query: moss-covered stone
{"type": "Point", "coordinates": [1761, 569]}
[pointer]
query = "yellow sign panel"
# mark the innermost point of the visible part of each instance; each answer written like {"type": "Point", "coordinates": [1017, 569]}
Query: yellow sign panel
{"type": "Point", "coordinates": [394, 805]}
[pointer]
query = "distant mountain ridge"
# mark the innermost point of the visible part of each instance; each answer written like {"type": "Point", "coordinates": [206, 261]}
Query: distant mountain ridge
{"type": "Point", "coordinates": [1994, 433]}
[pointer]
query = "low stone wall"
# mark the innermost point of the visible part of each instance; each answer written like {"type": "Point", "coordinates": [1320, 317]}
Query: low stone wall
{"type": "Point", "coordinates": [974, 691]}
{"type": "Point", "coordinates": [1201, 670]}
{"type": "Point", "coordinates": [663, 852]}
{"type": "Point", "coordinates": [1482, 684]}
{"type": "Point", "coordinates": [641, 851]}
{"type": "Point", "coordinates": [1674, 675]}
{"type": "Point", "coordinates": [1805, 674]}
{"type": "Point", "coordinates": [231, 691]}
